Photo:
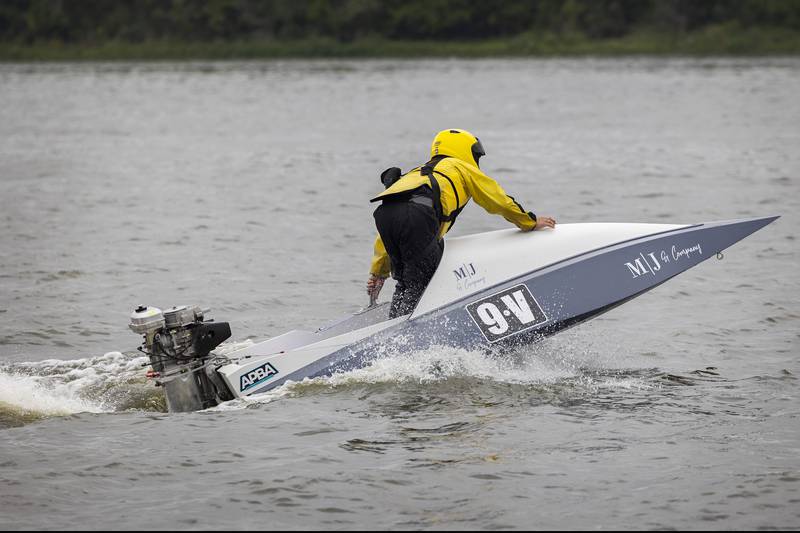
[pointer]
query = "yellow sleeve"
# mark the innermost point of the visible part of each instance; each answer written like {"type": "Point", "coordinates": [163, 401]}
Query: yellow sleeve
{"type": "Point", "coordinates": [381, 265]}
{"type": "Point", "coordinates": [490, 195]}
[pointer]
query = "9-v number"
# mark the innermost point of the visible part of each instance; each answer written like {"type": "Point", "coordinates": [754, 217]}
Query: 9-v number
{"type": "Point", "coordinates": [507, 312]}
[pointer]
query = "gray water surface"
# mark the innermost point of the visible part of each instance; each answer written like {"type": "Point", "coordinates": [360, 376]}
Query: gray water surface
{"type": "Point", "coordinates": [244, 187]}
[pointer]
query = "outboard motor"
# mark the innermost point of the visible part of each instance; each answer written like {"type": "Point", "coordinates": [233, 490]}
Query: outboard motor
{"type": "Point", "coordinates": [178, 342]}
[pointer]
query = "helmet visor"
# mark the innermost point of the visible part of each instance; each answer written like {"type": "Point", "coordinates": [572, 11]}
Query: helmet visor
{"type": "Point", "coordinates": [477, 151]}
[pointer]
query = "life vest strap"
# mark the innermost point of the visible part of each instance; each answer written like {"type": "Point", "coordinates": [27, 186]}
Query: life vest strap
{"type": "Point", "coordinates": [428, 169]}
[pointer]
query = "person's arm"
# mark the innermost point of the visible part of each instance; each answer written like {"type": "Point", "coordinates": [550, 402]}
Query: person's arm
{"type": "Point", "coordinates": [379, 270]}
{"type": "Point", "coordinates": [488, 194]}
{"type": "Point", "coordinates": [381, 265]}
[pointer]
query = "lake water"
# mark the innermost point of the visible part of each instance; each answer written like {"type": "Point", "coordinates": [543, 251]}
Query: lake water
{"type": "Point", "coordinates": [244, 187]}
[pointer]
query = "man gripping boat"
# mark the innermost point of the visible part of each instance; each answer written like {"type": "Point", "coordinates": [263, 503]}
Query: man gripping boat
{"type": "Point", "coordinates": [418, 208]}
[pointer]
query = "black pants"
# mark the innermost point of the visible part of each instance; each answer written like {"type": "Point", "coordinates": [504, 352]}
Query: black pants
{"type": "Point", "coordinates": [410, 233]}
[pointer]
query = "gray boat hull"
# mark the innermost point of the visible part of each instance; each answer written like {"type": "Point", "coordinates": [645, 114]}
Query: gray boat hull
{"type": "Point", "coordinates": [522, 308]}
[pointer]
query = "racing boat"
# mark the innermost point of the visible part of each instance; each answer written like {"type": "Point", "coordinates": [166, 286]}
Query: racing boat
{"type": "Point", "coordinates": [491, 291]}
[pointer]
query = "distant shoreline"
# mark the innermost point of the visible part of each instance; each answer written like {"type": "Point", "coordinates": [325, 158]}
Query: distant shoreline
{"type": "Point", "coordinates": [724, 40]}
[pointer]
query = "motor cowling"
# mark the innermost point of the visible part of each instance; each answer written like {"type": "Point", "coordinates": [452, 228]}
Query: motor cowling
{"type": "Point", "coordinates": [179, 342]}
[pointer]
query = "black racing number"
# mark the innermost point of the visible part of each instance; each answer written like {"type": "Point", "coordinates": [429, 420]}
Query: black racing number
{"type": "Point", "coordinates": [506, 313]}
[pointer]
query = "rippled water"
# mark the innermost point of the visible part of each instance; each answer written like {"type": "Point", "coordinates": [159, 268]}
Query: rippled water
{"type": "Point", "coordinates": [244, 187]}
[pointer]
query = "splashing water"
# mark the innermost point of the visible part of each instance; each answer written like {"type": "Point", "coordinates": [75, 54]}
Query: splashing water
{"type": "Point", "coordinates": [112, 382]}
{"type": "Point", "coordinates": [542, 365]}
{"type": "Point", "coordinates": [26, 398]}
{"type": "Point", "coordinates": [116, 381]}
{"type": "Point", "coordinates": [108, 383]}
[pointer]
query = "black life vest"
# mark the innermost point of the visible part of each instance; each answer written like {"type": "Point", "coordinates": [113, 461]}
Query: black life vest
{"type": "Point", "coordinates": [429, 169]}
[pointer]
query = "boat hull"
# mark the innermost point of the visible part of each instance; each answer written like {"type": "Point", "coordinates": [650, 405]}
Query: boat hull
{"type": "Point", "coordinates": [518, 311]}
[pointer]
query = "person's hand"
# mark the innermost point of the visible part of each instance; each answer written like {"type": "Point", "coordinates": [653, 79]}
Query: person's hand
{"type": "Point", "coordinates": [374, 286]}
{"type": "Point", "coordinates": [544, 222]}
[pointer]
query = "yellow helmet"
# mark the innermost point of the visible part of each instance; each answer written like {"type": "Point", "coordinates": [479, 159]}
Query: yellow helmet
{"type": "Point", "coordinates": [460, 144]}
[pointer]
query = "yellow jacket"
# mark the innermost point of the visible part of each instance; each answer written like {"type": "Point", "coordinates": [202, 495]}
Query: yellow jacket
{"type": "Point", "coordinates": [469, 182]}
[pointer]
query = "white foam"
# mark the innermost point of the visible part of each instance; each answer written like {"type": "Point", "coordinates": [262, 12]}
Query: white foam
{"type": "Point", "coordinates": [287, 389]}
{"type": "Point", "coordinates": [60, 387]}
{"type": "Point", "coordinates": [542, 364]}
{"type": "Point", "coordinates": [57, 387]}
{"type": "Point", "coordinates": [29, 393]}
{"type": "Point", "coordinates": [442, 363]}
{"type": "Point", "coordinates": [230, 347]}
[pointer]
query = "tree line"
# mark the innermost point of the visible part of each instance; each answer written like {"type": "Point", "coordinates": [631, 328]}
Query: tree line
{"type": "Point", "coordinates": [134, 21]}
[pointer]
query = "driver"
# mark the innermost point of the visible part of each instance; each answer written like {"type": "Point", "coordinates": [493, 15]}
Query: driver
{"type": "Point", "coordinates": [418, 208]}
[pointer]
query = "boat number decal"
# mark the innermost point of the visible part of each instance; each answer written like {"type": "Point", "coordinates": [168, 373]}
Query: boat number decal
{"type": "Point", "coordinates": [256, 376]}
{"type": "Point", "coordinates": [506, 313]}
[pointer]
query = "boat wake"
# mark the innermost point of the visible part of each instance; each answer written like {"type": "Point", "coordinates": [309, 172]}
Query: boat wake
{"type": "Point", "coordinates": [117, 382]}
{"type": "Point", "coordinates": [548, 365]}
{"type": "Point", "coordinates": [112, 382]}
